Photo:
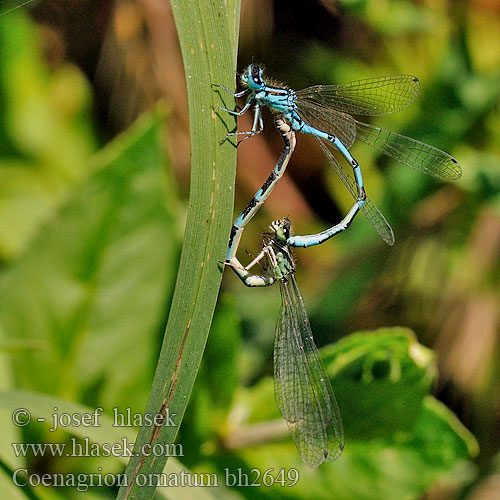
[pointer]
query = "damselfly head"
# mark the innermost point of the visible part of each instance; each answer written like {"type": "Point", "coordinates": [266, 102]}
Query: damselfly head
{"type": "Point", "coordinates": [252, 77]}
{"type": "Point", "coordinates": [281, 229]}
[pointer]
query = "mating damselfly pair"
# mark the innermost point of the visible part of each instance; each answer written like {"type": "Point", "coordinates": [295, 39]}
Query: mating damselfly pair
{"type": "Point", "coordinates": [302, 389]}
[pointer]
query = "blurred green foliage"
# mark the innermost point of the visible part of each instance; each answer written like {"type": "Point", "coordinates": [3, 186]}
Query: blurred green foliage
{"type": "Point", "coordinates": [90, 243]}
{"type": "Point", "coordinates": [82, 283]}
{"type": "Point", "coordinates": [400, 440]}
{"type": "Point", "coordinates": [46, 135]}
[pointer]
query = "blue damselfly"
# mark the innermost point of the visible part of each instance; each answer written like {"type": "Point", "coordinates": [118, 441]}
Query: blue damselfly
{"type": "Point", "coordinates": [302, 388]}
{"type": "Point", "coordinates": [325, 111]}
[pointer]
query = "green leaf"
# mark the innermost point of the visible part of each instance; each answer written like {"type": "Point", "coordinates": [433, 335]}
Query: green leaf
{"type": "Point", "coordinates": [217, 380]}
{"type": "Point", "coordinates": [220, 367]}
{"type": "Point", "coordinates": [380, 379]}
{"type": "Point", "coordinates": [440, 437]}
{"type": "Point", "coordinates": [92, 287]}
{"type": "Point", "coordinates": [207, 34]}
{"type": "Point", "coordinates": [399, 440]}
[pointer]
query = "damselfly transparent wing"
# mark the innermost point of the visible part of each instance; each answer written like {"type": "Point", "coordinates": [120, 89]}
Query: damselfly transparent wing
{"type": "Point", "coordinates": [302, 389]}
{"type": "Point", "coordinates": [415, 154]}
{"type": "Point", "coordinates": [371, 97]}
{"type": "Point", "coordinates": [372, 213]}
{"type": "Point", "coordinates": [339, 124]}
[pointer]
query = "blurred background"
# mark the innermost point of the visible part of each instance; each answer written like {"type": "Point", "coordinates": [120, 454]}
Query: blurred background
{"type": "Point", "coordinates": [75, 75]}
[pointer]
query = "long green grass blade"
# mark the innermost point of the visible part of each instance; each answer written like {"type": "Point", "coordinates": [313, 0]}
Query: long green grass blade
{"type": "Point", "coordinates": [206, 33]}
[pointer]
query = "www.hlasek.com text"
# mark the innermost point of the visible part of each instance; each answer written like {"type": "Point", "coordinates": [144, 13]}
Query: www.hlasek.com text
{"type": "Point", "coordinates": [85, 448]}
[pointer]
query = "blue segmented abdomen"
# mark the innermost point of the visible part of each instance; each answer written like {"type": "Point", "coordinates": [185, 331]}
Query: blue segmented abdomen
{"type": "Point", "coordinates": [307, 129]}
